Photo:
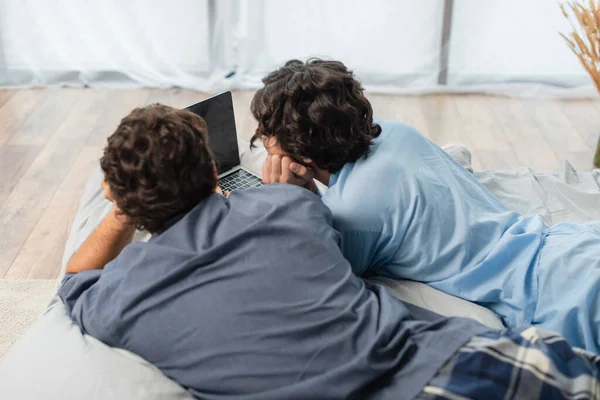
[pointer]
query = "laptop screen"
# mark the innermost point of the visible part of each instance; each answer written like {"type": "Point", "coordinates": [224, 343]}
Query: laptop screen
{"type": "Point", "coordinates": [220, 121]}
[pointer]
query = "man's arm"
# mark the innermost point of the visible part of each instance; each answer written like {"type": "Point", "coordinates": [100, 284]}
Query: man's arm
{"type": "Point", "coordinates": [103, 245]}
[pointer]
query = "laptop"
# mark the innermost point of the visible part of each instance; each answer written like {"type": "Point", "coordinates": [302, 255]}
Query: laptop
{"type": "Point", "coordinates": [217, 111]}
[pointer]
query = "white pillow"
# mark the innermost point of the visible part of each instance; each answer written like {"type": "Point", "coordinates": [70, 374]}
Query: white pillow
{"type": "Point", "coordinates": [431, 299]}
{"type": "Point", "coordinates": [55, 361]}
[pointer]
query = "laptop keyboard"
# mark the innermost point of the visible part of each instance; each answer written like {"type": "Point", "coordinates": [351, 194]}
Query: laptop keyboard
{"type": "Point", "coordinates": [239, 179]}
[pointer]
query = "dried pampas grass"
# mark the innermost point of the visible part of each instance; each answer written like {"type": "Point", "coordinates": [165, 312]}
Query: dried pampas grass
{"type": "Point", "coordinates": [584, 40]}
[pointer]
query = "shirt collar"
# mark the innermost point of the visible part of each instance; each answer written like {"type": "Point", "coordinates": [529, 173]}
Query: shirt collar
{"type": "Point", "coordinates": [333, 177]}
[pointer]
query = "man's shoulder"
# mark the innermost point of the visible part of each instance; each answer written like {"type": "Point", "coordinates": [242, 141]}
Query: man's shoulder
{"type": "Point", "coordinates": [366, 192]}
{"type": "Point", "coordinates": [284, 197]}
{"type": "Point", "coordinates": [277, 193]}
{"type": "Point", "coordinates": [399, 131]}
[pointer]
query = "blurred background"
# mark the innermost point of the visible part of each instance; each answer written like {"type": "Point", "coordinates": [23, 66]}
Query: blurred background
{"type": "Point", "coordinates": [395, 46]}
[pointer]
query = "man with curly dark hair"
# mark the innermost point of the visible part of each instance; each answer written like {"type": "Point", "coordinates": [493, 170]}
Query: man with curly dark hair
{"type": "Point", "coordinates": [158, 165]}
{"type": "Point", "coordinates": [407, 210]}
{"type": "Point", "coordinates": [316, 114]}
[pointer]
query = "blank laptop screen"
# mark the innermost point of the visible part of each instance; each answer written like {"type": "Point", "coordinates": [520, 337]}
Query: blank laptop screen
{"type": "Point", "coordinates": [220, 121]}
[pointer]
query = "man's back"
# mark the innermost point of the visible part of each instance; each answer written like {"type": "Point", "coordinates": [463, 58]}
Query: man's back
{"type": "Point", "coordinates": [250, 297]}
{"type": "Point", "coordinates": [429, 220]}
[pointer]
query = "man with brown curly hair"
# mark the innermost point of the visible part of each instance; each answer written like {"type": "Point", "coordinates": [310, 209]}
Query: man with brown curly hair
{"type": "Point", "coordinates": [407, 210]}
{"type": "Point", "coordinates": [157, 166]}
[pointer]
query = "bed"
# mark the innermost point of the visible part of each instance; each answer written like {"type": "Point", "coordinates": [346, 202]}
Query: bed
{"type": "Point", "coordinates": [53, 360]}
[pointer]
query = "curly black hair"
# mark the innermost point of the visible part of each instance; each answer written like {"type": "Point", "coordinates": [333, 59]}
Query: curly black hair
{"type": "Point", "coordinates": [158, 165]}
{"type": "Point", "coordinates": [315, 110]}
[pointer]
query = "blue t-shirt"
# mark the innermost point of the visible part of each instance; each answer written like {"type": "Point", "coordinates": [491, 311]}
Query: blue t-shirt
{"type": "Point", "coordinates": [251, 298]}
{"type": "Point", "coordinates": [408, 210]}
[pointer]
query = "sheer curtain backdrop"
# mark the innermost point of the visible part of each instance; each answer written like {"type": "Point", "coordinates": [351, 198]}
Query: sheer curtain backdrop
{"type": "Point", "coordinates": [387, 43]}
{"type": "Point", "coordinates": [157, 43]}
{"type": "Point", "coordinates": [515, 42]}
{"type": "Point", "coordinates": [507, 46]}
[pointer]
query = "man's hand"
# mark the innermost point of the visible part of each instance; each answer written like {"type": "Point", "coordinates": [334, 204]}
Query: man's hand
{"type": "Point", "coordinates": [283, 169]}
{"type": "Point", "coordinates": [221, 192]}
{"type": "Point", "coordinates": [106, 241]}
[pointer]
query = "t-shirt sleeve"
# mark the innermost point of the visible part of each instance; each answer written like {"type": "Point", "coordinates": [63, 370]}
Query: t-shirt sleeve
{"type": "Point", "coordinates": [74, 285]}
{"type": "Point", "coordinates": [89, 302]}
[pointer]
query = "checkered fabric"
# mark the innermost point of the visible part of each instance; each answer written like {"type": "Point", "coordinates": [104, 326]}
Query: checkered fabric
{"type": "Point", "coordinates": [517, 364]}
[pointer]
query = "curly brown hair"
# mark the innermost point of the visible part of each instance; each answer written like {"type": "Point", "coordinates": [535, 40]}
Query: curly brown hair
{"type": "Point", "coordinates": [315, 110]}
{"type": "Point", "coordinates": [158, 165]}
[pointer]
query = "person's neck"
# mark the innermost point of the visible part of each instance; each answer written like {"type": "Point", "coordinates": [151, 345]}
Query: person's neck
{"type": "Point", "coordinates": [322, 176]}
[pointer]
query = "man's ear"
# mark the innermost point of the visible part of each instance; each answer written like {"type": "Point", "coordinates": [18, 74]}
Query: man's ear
{"type": "Point", "coordinates": [107, 193]}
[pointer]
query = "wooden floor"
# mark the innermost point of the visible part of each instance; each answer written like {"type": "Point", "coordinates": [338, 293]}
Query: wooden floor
{"type": "Point", "coordinates": [51, 139]}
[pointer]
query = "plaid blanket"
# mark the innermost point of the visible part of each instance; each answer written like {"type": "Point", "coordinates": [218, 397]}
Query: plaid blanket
{"type": "Point", "coordinates": [517, 364]}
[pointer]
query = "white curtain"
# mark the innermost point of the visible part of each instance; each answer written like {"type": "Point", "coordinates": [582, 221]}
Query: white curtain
{"type": "Point", "coordinates": [159, 43]}
{"type": "Point", "coordinates": [508, 46]}
{"type": "Point", "coordinates": [511, 41]}
{"type": "Point", "coordinates": [387, 43]}
{"type": "Point", "coordinates": [516, 42]}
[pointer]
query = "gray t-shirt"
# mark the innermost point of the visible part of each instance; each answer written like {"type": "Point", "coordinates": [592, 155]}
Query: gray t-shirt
{"type": "Point", "coordinates": [250, 298]}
